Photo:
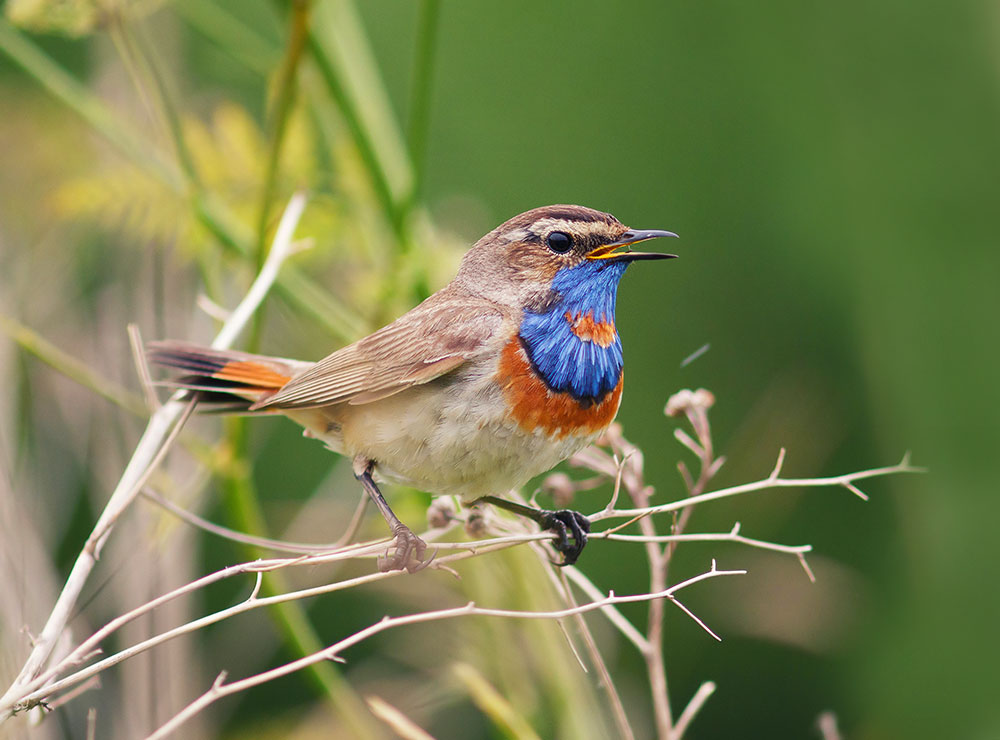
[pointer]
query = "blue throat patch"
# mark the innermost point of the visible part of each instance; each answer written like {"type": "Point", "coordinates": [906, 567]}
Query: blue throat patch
{"type": "Point", "coordinates": [565, 361]}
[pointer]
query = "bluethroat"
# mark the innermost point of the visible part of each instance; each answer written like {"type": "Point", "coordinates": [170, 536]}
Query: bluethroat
{"type": "Point", "coordinates": [508, 370]}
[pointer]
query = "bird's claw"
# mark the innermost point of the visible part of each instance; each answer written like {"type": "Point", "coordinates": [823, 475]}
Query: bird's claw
{"type": "Point", "coordinates": [409, 554]}
{"type": "Point", "coordinates": [564, 523]}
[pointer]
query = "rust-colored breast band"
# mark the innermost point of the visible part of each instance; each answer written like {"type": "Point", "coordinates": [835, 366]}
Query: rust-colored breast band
{"type": "Point", "coordinates": [533, 406]}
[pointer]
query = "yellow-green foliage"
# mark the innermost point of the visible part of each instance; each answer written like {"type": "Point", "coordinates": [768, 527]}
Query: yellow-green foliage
{"type": "Point", "coordinates": [71, 17]}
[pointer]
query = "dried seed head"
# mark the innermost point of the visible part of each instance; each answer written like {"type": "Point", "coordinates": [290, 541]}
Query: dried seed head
{"type": "Point", "coordinates": [476, 524]}
{"type": "Point", "coordinates": [685, 401]}
{"type": "Point", "coordinates": [561, 487]}
{"type": "Point", "coordinates": [440, 513]}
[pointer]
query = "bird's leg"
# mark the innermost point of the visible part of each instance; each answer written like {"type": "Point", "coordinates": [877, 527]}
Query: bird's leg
{"type": "Point", "coordinates": [409, 548]}
{"type": "Point", "coordinates": [564, 523]}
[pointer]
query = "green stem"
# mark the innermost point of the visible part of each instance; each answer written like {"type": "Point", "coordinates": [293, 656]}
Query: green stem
{"type": "Point", "coordinates": [284, 100]}
{"type": "Point", "coordinates": [279, 114]}
{"type": "Point", "coordinates": [146, 75]}
{"type": "Point", "coordinates": [69, 91]}
{"type": "Point", "coordinates": [71, 367]}
{"type": "Point", "coordinates": [349, 71]}
{"type": "Point", "coordinates": [230, 34]}
{"type": "Point", "coordinates": [331, 75]}
{"type": "Point", "coordinates": [37, 345]}
{"type": "Point", "coordinates": [241, 495]}
{"type": "Point", "coordinates": [298, 289]}
{"type": "Point", "coordinates": [420, 93]}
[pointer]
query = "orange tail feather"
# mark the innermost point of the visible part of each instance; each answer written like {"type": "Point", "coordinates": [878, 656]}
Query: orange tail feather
{"type": "Point", "coordinates": [221, 376]}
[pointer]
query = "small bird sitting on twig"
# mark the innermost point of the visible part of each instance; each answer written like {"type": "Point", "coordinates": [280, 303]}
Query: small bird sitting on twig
{"type": "Point", "coordinates": [508, 370]}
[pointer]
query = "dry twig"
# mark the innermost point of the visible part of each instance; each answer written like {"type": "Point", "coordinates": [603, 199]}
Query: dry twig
{"type": "Point", "coordinates": [163, 426]}
{"type": "Point", "coordinates": [220, 688]}
{"type": "Point", "coordinates": [623, 464]}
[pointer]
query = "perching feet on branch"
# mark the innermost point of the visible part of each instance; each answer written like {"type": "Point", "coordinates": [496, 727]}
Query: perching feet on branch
{"type": "Point", "coordinates": [564, 523]}
{"type": "Point", "coordinates": [409, 553]}
{"type": "Point", "coordinates": [571, 527]}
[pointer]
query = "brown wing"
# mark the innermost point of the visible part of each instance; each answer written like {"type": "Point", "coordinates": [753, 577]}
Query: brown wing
{"type": "Point", "coordinates": [434, 338]}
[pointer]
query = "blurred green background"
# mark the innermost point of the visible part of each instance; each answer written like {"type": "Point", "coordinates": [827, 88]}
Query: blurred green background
{"type": "Point", "coordinates": [830, 168]}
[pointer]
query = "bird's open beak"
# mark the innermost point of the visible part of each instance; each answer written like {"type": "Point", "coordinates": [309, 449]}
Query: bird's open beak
{"type": "Point", "coordinates": [632, 236]}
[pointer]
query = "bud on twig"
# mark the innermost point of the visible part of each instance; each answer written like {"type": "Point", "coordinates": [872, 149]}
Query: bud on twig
{"type": "Point", "coordinates": [561, 487]}
{"type": "Point", "coordinates": [687, 402]}
{"type": "Point", "coordinates": [441, 512]}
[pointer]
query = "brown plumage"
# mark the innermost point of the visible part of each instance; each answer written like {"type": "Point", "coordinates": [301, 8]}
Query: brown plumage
{"type": "Point", "coordinates": [432, 339]}
{"type": "Point", "coordinates": [447, 397]}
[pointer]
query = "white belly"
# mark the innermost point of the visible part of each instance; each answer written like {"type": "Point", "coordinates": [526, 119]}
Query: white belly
{"type": "Point", "coordinates": [452, 436]}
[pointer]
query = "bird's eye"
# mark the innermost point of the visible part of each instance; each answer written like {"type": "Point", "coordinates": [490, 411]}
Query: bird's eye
{"type": "Point", "coordinates": [559, 242]}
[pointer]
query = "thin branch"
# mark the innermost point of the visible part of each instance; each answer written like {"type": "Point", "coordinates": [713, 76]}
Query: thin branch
{"type": "Point", "coordinates": [97, 544]}
{"type": "Point", "coordinates": [805, 566]}
{"type": "Point", "coordinates": [282, 248]}
{"type": "Point", "coordinates": [778, 464]}
{"type": "Point", "coordinates": [163, 425]}
{"type": "Point", "coordinates": [306, 548]}
{"type": "Point", "coordinates": [762, 485]}
{"type": "Point", "coordinates": [855, 490]}
{"type": "Point", "coordinates": [686, 476]}
{"type": "Point", "coordinates": [618, 486]}
{"type": "Point", "coordinates": [69, 696]}
{"type": "Point", "coordinates": [685, 439]}
{"type": "Point", "coordinates": [614, 616]}
{"type": "Point", "coordinates": [44, 685]}
{"type": "Point", "coordinates": [92, 723]}
{"type": "Point", "coordinates": [142, 368]}
{"type": "Point", "coordinates": [402, 725]}
{"type": "Point", "coordinates": [707, 537]}
{"type": "Point", "coordinates": [231, 534]}
{"type": "Point", "coordinates": [221, 689]}
{"type": "Point", "coordinates": [658, 561]}
{"type": "Point", "coordinates": [355, 524]}
{"type": "Point", "coordinates": [603, 674]}
{"type": "Point", "coordinates": [39, 689]}
{"type": "Point", "coordinates": [150, 448]}
{"type": "Point", "coordinates": [827, 725]}
{"type": "Point", "coordinates": [694, 706]}
{"type": "Point", "coordinates": [700, 622]}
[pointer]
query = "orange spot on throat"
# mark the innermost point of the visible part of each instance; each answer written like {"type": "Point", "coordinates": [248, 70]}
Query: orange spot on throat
{"type": "Point", "coordinates": [601, 333]}
{"type": "Point", "coordinates": [534, 406]}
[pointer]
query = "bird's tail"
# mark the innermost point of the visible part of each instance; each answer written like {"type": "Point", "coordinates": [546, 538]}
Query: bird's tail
{"type": "Point", "coordinates": [231, 381]}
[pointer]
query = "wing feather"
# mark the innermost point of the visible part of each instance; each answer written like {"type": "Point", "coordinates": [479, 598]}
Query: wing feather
{"type": "Point", "coordinates": [434, 338]}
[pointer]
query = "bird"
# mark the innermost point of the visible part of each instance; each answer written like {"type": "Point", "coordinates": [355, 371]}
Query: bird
{"type": "Point", "coordinates": [508, 370]}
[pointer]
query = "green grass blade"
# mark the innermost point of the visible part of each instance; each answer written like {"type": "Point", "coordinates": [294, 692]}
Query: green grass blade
{"type": "Point", "coordinates": [420, 92]}
{"type": "Point", "coordinates": [230, 34]}
{"type": "Point", "coordinates": [348, 68]}
{"type": "Point", "coordinates": [69, 91]}
{"type": "Point", "coordinates": [32, 342]}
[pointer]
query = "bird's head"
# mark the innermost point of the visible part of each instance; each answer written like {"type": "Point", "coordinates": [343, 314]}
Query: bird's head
{"type": "Point", "coordinates": [560, 266]}
{"type": "Point", "coordinates": [527, 259]}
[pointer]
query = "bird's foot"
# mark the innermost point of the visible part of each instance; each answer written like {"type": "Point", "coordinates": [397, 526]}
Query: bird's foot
{"type": "Point", "coordinates": [564, 523]}
{"type": "Point", "coordinates": [409, 554]}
